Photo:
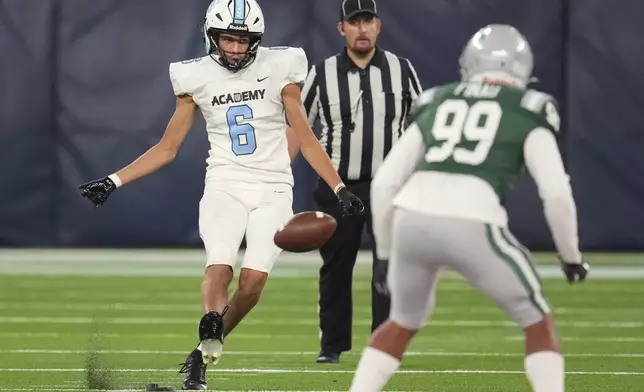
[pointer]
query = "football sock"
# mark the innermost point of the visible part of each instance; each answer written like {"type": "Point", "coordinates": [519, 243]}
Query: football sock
{"type": "Point", "coordinates": [545, 370]}
{"type": "Point", "coordinates": [374, 370]}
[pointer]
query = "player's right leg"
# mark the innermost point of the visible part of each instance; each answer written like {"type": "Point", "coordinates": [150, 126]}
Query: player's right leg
{"type": "Point", "coordinates": [412, 278]}
{"type": "Point", "coordinates": [499, 266]}
{"type": "Point", "coordinates": [222, 223]}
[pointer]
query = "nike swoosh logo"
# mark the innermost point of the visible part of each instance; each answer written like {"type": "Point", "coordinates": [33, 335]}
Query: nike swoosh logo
{"type": "Point", "coordinates": [262, 79]}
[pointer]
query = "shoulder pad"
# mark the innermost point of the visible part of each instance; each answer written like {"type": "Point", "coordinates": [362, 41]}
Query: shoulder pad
{"type": "Point", "coordinates": [534, 101]}
{"type": "Point", "coordinates": [283, 55]}
{"type": "Point", "coordinates": [289, 63]}
{"type": "Point", "coordinates": [543, 105]}
{"type": "Point", "coordinates": [182, 76]}
{"type": "Point", "coordinates": [195, 60]}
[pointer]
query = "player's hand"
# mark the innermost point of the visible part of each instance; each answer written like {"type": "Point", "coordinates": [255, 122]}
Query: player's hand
{"type": "Point", "coordinates": [575, 271]}
{"type": "Point", "coordinates": [98, 191]}
{"type": "Point", "coordinates": [351, 204]}
{"type": "Point", "coordinates": [380, 277]}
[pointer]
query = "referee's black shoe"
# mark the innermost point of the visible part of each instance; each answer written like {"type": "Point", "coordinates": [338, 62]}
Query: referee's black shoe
{"type": "Point", "coordinates": [327, 357]}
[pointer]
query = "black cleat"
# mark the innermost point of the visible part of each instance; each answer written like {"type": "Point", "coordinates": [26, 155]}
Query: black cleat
{"type": "Point", "coordinates": [195, 372]}
{"type": "Point", "coordinates": [211, 336]}
{"type": "Point", "coordinates": [157, 388]}
{"type": "Point", "coordinates": [211, 326]}
{"type": "Point", "coordinates": [326, 357]}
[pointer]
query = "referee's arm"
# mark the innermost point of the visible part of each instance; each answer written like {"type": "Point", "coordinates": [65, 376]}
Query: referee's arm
{"type": "Point", "coordinates": [310, 96]}
{"type": "Point", "coordinates": [415, 89]}
{"type": "Point", "coordinates": [414, 83]}
{"type": "Point", "coordinates": [311, 103]}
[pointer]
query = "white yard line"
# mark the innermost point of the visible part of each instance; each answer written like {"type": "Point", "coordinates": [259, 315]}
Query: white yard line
{"type": "Point", "coordinates": [262, 336]}
{"type": "Point", "coordinates": [312, 371]}
{"type": "Point", "coordinates": [194, 307]}
{"type": "Point", "coordinates": [606, 339]}
{"type": "Point", "coordinates": [311, 321]}
{"type": "Point", "coordinates": [300, 353]}
{"type": "Point", "coordinates": [46, 388]}
{"type": "Point", "coordinates": [190, 262]}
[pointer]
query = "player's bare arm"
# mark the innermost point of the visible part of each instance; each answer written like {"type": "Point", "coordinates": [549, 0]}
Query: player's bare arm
{"type": "Point", "coordinates": [313, 151]}
{"type": "Point", "coordinates": [293, 143]}
{"type": "Point", "coordinates": [163, 152]}
{"type": "Point", "coordinates": [156, 157]}
{"type": "Point", "coordinates": [309, 145]}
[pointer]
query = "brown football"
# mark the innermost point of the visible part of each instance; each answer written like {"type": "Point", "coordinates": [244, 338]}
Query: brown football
{"type": "Point", "coordinates": [305, 231]}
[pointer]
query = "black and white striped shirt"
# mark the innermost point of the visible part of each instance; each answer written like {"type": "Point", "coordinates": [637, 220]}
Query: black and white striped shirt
{"type": "Point", "coordinates": [362, 112]}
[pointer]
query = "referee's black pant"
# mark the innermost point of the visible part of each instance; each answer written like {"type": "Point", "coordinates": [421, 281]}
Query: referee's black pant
{"type": "Point", "coordinates": [336, 275]}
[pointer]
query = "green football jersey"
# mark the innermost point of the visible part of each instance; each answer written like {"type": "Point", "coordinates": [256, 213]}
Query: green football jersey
{"type": "Point", "coordinates": [479, 129]}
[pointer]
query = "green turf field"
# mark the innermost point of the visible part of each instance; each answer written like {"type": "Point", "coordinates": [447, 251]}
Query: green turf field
{"type": "Point", "coordinates": [56, 308]}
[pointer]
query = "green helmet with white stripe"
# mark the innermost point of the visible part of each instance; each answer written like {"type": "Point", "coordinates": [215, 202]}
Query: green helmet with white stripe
{"type": "Point", "coordinates": [498, 50]}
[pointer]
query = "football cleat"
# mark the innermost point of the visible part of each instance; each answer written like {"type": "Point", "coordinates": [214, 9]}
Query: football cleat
{"type": "Point", "coordinates": [195, 372]}
{"type": "Point", "coordinates": [157, 388]}
{"type": "Point", "coordinates": [211, 336]}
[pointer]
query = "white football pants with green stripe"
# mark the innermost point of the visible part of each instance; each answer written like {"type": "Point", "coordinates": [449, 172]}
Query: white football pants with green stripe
{"type": "Point", "coordinates": [488, 256]}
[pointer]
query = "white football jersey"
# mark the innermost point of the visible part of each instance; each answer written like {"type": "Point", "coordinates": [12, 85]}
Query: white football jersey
{"type": "Point", "coordinates": [244, 113]}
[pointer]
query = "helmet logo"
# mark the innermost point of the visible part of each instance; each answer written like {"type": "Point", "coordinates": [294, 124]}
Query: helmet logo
{"type": "Point", "coordinates": [238, 27]}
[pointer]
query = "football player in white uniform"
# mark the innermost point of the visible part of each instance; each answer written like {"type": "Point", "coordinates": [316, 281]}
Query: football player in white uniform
{"type": "Point", "coordinates": [243, 91]}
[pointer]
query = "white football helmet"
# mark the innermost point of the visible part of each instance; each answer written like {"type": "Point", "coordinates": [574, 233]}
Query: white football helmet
{"type": "Point", "coordinates": [498, 48]}
{"type": "Point", "coordinates": [238, 17]}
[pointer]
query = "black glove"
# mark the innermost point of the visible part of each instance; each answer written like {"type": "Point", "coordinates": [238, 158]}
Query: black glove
{"type": "Point", "coordinates": [575, 271]}
{"type": "Point", "coordinates": [98, 191]}
{"type": "Point", "coordinates": [351, 204]}
{"type": "Point", "coordinates": [380, 277]}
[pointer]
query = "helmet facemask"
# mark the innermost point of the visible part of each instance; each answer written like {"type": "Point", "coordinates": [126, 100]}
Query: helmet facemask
{"type": "Point", "coordinates": [220, 56]}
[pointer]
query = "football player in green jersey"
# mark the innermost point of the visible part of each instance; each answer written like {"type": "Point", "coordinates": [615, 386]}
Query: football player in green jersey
{"type": "Point", "coordinates": [438, 201]}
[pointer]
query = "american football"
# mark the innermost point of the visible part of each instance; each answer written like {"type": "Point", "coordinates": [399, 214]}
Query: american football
{"type": "Point", "coordinates": [305, 231]}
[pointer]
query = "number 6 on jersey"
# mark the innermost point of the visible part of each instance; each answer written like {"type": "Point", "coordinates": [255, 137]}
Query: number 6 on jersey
{"type": "Point", "coordinates": [241, 135]}
{"type": "Point", "coordinates": [456, 120]}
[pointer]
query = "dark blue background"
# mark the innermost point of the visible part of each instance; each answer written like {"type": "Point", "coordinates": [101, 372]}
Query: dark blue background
{"type": "Point", "coordinates": [84, 90]}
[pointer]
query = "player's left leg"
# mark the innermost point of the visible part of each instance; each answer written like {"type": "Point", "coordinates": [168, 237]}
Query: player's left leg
{"type": "Point", "coordinates": [544, 361]}
{"type": "Point", "coordinates": [249, 289]}
{"type": "Point", "coordinates": [412, 281]}
{"type": "Point", "coordinates": [273, 210]}
{"type": "Point", "coordinates": [493, 255]}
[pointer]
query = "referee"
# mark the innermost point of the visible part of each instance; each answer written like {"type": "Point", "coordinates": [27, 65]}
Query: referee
{"type": "Point", "coordinates": [362, 97]}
